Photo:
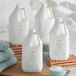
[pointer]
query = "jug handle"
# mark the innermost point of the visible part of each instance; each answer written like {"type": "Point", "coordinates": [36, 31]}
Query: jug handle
{"type": "Point", "coordinates": [51, 12]}
{"type": "Point", "coordinates": [37, 38]}
{"type": "Point", "coordinates": [64, 26]}
{"type": "Point", "coordinates": [28, 37]}
{"type": "Point", "coordinates": [24, 13]}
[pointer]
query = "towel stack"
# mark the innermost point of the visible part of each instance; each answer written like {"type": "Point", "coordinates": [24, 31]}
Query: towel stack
{"type": "Point", "coordinates": [6, 56]}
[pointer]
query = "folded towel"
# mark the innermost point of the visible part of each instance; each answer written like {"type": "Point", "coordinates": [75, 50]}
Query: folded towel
{"type": "Point", "coordinates": [6, 55]}
{"type": "Point", "coordinates": [4, 45]}
{"type": "Point", "coordinates": [4, 65]}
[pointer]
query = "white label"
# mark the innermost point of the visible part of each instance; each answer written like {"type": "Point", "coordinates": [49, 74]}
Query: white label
{"type": "Point", "coordinates": [19, 32]}
{"type": "Point", "coordinates": [58, 47]}
{"type": "Point", "coordinates": [32, 58]}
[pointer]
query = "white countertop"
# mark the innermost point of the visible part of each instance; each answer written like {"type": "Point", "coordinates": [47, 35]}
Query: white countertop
{"type": "Point", "coordinates": [73, 71]}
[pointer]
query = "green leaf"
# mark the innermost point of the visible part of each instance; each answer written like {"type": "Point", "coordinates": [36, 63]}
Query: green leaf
{"type": "Point", "coordinates": [45, 47]}
{"type": "Point", "coordinates": [52, 4]}
{"type": "Point", "coordinates": [68, 21]}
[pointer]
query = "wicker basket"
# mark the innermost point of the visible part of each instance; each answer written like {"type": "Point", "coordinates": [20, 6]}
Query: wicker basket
{"type": "Point", "coordinates": [17, 50]}
{"type": "Point", "coordinates": [66, 63]}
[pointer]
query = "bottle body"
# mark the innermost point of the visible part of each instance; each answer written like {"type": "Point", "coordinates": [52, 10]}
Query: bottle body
{"type": "Point", "coordinates": [59, 41]}
{"type": "Point", "coordinates": [32, 54]}
{"type": "Point", "coordinates": [18, 28]}
{"type": "Point", "coordinates": [44, 22]}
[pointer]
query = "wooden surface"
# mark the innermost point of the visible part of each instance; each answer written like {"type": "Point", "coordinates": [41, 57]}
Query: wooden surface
{"type": "Point", "coordinates": [16, 70]}
{"type": "Point", "coordinates": [66, 63]}
{"type": "Point", "coordinates": [17, 51]}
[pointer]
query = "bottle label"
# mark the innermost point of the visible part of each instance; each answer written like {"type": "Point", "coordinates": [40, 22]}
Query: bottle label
{"type": "Point", "coordinates": [19, 32]}
{"type": "Point", "coordinates": [33, 58]}
{"type": "Point", "coordinates": [58, 46]}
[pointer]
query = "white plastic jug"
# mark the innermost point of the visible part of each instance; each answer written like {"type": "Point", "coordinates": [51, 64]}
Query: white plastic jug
{"type": "Point", "coordinates": [59, 41]}
{"type": "Point", "coordinates": [44, 21]}
{"type": "Point", "coordinates": [32, 55]}
{"type": "Point", "coordinates": [18, 28]}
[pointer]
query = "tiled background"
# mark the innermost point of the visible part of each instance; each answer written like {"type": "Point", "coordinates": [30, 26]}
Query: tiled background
{"type": "Point", "coordinates": [6, 8]}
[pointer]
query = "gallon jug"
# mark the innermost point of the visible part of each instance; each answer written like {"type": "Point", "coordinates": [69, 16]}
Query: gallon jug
{"type": "Point", "coordinates": [44, 21]}
{"type": "Point", "coordinates": [32, 55]}
{"type": "Point", "coordinates": [18, 28]}
{"type": "Point", "coordinates": [59, 41]}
